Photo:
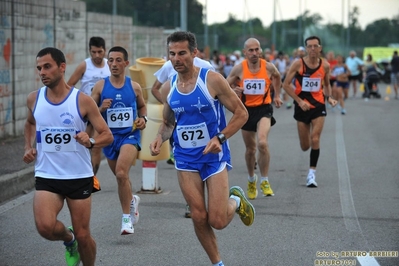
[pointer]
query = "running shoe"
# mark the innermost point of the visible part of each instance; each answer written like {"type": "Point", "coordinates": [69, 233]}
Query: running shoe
{"type": "Point", "coordinates": [311, 181]}
{"type": "Point", "coordinates": [266, 188]}
{"type": "Point", "coordinates": [246, 210]}
{"type": "Point", "coordinates": [72, 256]}
{"type": "Point", "coordinates": [127, 226]}
{"type": "Point", "coordinates": [252, 191]}
{"type": "Point", "coordinates": [171, 159]}
{"type": "Point", "coordinates": [188, 212]}
{"type": "Point", "coordinates": [343, 111]}
{"type": "Point", "coordinates": [134, 209]}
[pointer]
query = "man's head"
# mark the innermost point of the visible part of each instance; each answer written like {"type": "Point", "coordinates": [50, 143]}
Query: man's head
{"type": "Point", "coordinates": [237, 54]}
{"type": "Point", "coordinates": [352, 54]}
{"type": "Point", "coordinates": [51, 64]}
{"type": "Point", "coordinates": [330, 55]}
{"type": "Point", "coordinates": [301, 51]}
{"type": "Point", "coordinates": [313, 46]}
{"type": "Point", "coordinates": [252, 50]}
{"type": "Point", "coordinates": [183, 36]}
{"type": "Point", "coordinates": [117, 60]}
{"type": "Point", "coordinates": [395, 53]}
{"type": "Point", "coordinates": [182, 50]}
{"type": "Point", "coordinates": [97, 42]}
{"type": "Point", "coordinates": [97, 49]}
{"type": "Point", "coordinates": [201, 54]}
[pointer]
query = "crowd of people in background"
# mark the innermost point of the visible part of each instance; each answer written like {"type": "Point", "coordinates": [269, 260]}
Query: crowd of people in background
{"type": "Point", "coordinates": [346, 72]}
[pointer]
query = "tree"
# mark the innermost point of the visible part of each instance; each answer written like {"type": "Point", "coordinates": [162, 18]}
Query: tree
{"type": "Point", "coordinates": [382, 32]}
{"type": "Point", "coordinates": [152, 13]}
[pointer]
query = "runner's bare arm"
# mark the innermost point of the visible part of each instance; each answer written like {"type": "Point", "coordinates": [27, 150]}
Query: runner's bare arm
{"type": "Point", "coordinates": [30, 130]}
{"type": "Point", "coordinates": [90, 111]}
{"type": "Point", "coordinates": [77, 74]}
{"type": "Point", "coordinates": [141, 106]}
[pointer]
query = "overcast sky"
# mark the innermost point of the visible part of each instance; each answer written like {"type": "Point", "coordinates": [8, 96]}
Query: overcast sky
{"type": "Point", "coordinates": [331, 10]}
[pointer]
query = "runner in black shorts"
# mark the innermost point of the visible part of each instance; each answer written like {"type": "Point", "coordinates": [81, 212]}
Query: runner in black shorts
{"type": "Point", "coordinates": [312, 92]}
{"type": "Point", "coordinates": [56, 139]}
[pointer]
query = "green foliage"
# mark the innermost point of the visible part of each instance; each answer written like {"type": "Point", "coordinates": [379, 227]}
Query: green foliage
{"type": "Point", "coordinates": [153, 13]}
{"type": "Point", "coordinates": [382, 32]}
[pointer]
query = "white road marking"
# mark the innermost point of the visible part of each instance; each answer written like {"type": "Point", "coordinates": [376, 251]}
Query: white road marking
{"type": "Point", "coordinates": [345, 192]}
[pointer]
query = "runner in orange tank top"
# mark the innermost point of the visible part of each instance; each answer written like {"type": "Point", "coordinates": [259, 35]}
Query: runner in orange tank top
{"type": "Point", "coordinates": [253, 80]}
{"type": "Point", "coordinates": [312, 85]}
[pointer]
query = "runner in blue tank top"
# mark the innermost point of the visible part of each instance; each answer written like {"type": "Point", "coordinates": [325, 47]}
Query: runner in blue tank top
{"type": "Point", "coordinates": [194, 100]}
{"type": "Point", "coordinates": [122, 105]}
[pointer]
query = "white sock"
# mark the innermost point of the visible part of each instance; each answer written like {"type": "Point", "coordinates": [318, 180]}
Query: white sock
{"type": "Point", "coordinates": [237, 199]}
{"type": "Point", "coordinates": [251, 179]}
{"type": "Point", "coordinates": [312, 171]}
{"type": "Point", "coordinates": [265, 178]}
{"type": "Point", "coordinates": [220, 263]}
{"type": "Point", "coordinates": [125, 215]}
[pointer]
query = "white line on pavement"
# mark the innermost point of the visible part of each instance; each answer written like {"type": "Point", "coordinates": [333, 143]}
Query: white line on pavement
{"type": "Point", "coordinates": [345, 192]}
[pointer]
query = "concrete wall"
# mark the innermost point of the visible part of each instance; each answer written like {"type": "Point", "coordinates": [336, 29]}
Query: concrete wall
{"type": "Point", "coordinates": [27, 26]}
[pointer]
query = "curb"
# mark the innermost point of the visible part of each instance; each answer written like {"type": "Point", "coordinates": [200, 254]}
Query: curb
{"type": "Point", "coordinates": [16, 184]}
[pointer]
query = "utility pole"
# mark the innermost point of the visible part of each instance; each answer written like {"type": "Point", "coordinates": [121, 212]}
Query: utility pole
{"type": "Point", "coordinates": [206, 41]}
{"type": "Point", "coordinates": [274, 27]}
{"type": "Point", "coordinates": [113, 18]}
{"type": "Point", "coordinates": [300, 25]}
{"type": "Point", "coordinates": [183, 15]}
{"type": "Point", "coordinates": [348, 40]}
{"type": "Point", "coordinates": [343, 18]}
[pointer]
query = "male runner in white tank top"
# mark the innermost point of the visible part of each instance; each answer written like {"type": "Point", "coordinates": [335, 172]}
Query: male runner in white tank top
{"type": "Point", "coordinates": [56, 121]}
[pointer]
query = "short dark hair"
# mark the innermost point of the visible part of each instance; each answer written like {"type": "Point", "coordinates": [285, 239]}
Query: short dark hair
{"type": "Point", "coordinates": [181, 36]}
{"type": "Point", "coordinates": [97, 42]}
{"type": "Point", "coordinates": [119, 49]}
{"type": "Point", "coordinates": [312, 38]}
{"type": "Point", "coordinates": [56, 54]}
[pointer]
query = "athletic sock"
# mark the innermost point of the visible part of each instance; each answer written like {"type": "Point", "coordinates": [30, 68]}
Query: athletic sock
{"type": "Point", "coordinates": [125, 215]}
{"type": "Point", "coordinates": [314, 157]}
{"type": "Point", "coordinates": [237, 199]}
{"type": "Point", "coordinates": [70, 242]}
{"type": "Point", "coordinates": [220, 263]}
{"type": "Point", "coordinates": [262, 178]}
{"type": "Point", "coordinates": [251, 179]}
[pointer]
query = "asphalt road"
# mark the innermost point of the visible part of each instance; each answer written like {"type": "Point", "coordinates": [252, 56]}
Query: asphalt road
{"type": "Point", "coordinates": [354, 210]}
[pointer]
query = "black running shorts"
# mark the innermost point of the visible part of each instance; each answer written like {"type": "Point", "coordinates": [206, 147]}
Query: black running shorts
{"type": "Point", "coordinates": [73, 188]}
{"type": "Point", "coordinates": [255, 114]}
{"type": "Point", "coordinates": [307, 116]}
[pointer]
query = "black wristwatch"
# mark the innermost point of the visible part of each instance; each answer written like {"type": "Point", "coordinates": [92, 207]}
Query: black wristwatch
{"type": "Point", "coordinates": [145, 118]}
{"type": "Point", "coordinates": [92, 142]}
{"type": "Point", "coordinates": [221, 137]}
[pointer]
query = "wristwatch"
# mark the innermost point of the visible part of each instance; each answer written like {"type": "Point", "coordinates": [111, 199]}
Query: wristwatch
{"type": "Point", "coordinates": [221, 137]}
{"type": "Point", "coordinates": [145, 118]}
{"type": "Point", "coordinates": [92, 142]}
